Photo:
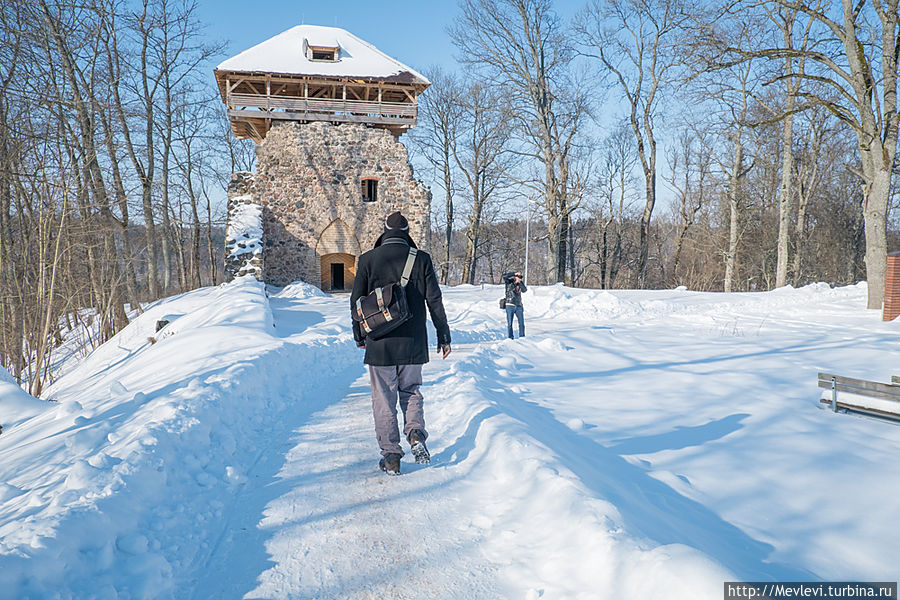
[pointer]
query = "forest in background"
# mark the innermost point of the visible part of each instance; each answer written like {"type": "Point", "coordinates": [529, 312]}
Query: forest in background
{"type": "Point", "coordinates": [656, 143]}
{"type": "Point", "coordinates": [112, 146]}
{"type": "Point", "coordinates": [642, 144]}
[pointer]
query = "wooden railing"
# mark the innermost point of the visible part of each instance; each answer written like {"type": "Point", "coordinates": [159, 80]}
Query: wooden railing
{"type": "Point", "coordinates": [889, 392]}
{"type": "Point", "coordinates": [318, 108]}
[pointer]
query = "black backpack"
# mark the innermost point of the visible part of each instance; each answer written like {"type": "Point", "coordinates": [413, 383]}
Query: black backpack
{"type": "Point", "coordinates": [385, 308]}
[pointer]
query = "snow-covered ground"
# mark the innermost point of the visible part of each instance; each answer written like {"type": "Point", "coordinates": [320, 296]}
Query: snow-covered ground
{"type": "Point", "coordinates": [633, 445]}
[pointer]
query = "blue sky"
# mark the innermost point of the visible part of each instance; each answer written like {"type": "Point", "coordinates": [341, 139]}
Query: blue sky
{"type": "Point", "coordinates": [413, 32]}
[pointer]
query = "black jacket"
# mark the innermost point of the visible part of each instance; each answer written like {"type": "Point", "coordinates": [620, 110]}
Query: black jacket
{"type": "Point", "coordinates": [408, 344]}
{"type": "Point", "coordinates": [514, 290]}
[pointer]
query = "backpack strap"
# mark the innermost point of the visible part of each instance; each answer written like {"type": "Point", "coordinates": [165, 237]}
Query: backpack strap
{"type": "Point", "coordinates": [407, 269]}
{"type": "Point", "coordinates": [379, 296]}
{"type": "Point", "coordinates": [362, 316]}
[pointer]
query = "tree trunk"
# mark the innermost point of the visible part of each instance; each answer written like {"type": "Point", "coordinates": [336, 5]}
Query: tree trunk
{"type": "Point", "coordinates": [678, 247]}
{"type": "Point", "coordinates": [644, 240]}
{"type": "Point", "coordinates": [166, 225]}
{"type": "Point", "coordinates": [647, 154]}
{"type": "Point", "coordinates": [448, 207]}
{"type": "Point", "coordinates": [147, 173]}
{"type": "Point", "coordinates": [734, 196]}
{"type": "Point", "coordinates": [784, 199]}
{"type": "Point", "coordinates": [799, 240]}
{"type": "Point", "coordinates": [472, 239]}
{"type": "Point", "coordinates": [564, 250]}
{"type": "Point", "coordinates": [785, 23]}
{"type": "Point", "coordinates": [553, 227]}
{"type": "Point", "coordinates": [604, 256]}
{"type": "Point", "coordinates": [195, 236]}
{"type": "Point", "coordinates": [213, 271]}
{"type": "Point", "coordinates": [875, 208]}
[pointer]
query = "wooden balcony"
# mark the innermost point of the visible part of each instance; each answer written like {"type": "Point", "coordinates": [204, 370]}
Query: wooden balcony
{"type": "Point", "coordinates": [252, 114]}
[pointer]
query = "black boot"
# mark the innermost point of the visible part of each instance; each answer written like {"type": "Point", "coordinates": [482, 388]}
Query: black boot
{"type": "Point", "coordinates": [390, 464]}
{"type": "Point", "coordinates": [417, 445]}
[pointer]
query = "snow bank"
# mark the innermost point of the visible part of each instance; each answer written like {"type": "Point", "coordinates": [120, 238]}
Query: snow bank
{"type": "Point", "coordinates": [299, 290]}
{"type": "Point", "coordinates": [103, 492]}
{"type": "Point", "coordinates": [635, 444]}
{"type": "Point", "coordinates": [16, 405]}
{"type": "Point", "coordinates": [549, 518]}
{"type": "Point", "coordinates": [475, 315]}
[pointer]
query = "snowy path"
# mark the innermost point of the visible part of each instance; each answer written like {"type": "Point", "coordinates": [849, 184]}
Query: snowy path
{"type": "Point", "coordinates": [341, 528]}
{"type": "Point", "coordinates": [491, 516]}
{"type": "Point", "coordinates": [346, 530]}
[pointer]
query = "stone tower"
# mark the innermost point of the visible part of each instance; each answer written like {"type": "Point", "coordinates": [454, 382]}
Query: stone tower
{"type": "Point", "coordinates": [326, 110]}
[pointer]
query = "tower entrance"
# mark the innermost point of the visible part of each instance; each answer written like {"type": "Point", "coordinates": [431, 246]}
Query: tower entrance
{"type": "Point", "coordinates": [337, 250]}
{"type": "Point", "coordinates": [338, 272]}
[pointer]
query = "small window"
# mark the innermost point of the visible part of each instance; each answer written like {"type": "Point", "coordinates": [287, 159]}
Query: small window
{"type": "Point", "coordinates": [323, 55]}
{"type": "Point", "coordinates": [369, 189]}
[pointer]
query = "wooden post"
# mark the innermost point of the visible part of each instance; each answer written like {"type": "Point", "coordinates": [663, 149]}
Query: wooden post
{"type": "Point", "coordinates": [892, 288]}
{"type": "Point", "coordinates": [228, 90]}
{"type": "Point", "coordinates": [834, 394]}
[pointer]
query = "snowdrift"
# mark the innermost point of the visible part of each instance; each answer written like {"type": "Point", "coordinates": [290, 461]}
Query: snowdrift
{"type": "Point", "coordinates": [635, 444]}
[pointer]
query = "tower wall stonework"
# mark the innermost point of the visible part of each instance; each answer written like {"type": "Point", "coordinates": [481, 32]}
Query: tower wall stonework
{"type": "Point", "coordinates": [243, 251]}
{"type": "Point", "coordinates": [310, 175]}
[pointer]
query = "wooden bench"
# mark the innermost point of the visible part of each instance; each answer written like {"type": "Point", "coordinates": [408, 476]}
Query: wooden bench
{"type": "Point", "coordinates": [872, 389]}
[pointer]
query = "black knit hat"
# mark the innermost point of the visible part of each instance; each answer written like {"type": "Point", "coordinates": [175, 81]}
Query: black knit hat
{"type": "Point", "coordinates": [396, 221]}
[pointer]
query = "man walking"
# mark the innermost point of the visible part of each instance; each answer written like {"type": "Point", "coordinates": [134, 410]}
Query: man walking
{"type": "Point", "coordinates": [515, 287]}
{"type": "Point", "coordinates": [395, 360]}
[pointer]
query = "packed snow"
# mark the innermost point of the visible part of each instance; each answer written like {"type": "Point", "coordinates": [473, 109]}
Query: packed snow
{"type": "Point", "coordinates": [635, 444]}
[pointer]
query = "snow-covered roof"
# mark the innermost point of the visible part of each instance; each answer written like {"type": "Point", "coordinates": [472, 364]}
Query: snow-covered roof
{"type": "Point", "coordinates": [286, 54]}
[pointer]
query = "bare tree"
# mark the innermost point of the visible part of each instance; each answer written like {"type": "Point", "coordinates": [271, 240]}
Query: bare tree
{"type": "Point", "coordinates": [70, 109]}
{"type": "Point", "coordinates": [618, 158]}
{"type": "Point", "coordinates": [439, 114]}
{"type": "Point", "coordinates": [178, 50]}
{"type": "Point", "coordinates": [522, 47]}
{"type": "Point", "coordinates": [479, 152]}
{"type": "Point", "coordinates": [785, 19]}
{"type": "Point", "coordinates": [691, 176]}
{"type": "Point", "coordinates": [857, 59]}
{"type": "Point", "coordinates": [819, 152]}
{"type": "Point", "coordinates": [637, 42]}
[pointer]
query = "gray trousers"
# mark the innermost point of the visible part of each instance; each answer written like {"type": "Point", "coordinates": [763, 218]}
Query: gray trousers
{"type": "Point", "coordinates": [389, 384]}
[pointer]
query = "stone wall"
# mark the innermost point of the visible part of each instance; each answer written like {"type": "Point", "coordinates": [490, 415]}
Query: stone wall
{"type": "Point", "coordinates": [243, 235]}
{"type": "Point", "coordinates": [309, 183]}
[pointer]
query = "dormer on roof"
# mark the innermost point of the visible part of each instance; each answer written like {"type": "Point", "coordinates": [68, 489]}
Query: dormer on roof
{"type": "Point", "coordinates": [321, 47]}
{"type": "Point", "coordinates": [312, 73]}
{"type": "Point", "coordinates": [325, 53]}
